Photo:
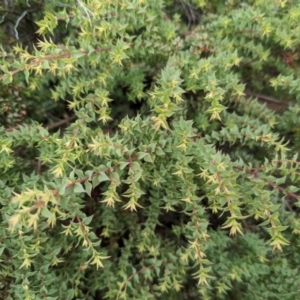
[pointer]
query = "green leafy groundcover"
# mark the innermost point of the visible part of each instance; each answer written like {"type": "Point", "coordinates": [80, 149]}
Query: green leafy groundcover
{"type": "Point", "coordinates": [136, 162]}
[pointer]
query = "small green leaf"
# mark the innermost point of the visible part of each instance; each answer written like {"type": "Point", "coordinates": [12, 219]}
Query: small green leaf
{"type": "Point", "coordinates": [123, 165]}
{"type": "Point", "coordinates": [62, 189]}
{"type": "Point", "coordinates": [7, 79]}
{"type": "Point", "coordinates": [78, 188]}
{"type": "Point", "coordinates": [102, 177]}
{"type": "Point", "coordinates": [46, 213]}
{"type": "Point", "coordinates": [1, 250]}
{"type": "Point", "coordinates": [87, 220]}
{"type": "Point", "coordinates": [88, 187]}
{"type": "Point", "coordinates": [141, 155]}
{"type": "Point", "coordinates": [148, 158]}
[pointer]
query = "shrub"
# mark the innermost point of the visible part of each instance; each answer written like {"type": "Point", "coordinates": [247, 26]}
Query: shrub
{"type": "Point", "coordinates": [136, 162]}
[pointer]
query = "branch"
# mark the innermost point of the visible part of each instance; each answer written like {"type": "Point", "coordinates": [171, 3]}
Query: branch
{"type": "Point", "coordinates": [37, 60]}
{"type": "Point", "coordinates": [61, 122]}
{"type": "Point", "coordinates": [292, 195]}
{"type": "Point", "coordinates": [17, 23]}
{"type": "Point", "coordinates": [267, 98]}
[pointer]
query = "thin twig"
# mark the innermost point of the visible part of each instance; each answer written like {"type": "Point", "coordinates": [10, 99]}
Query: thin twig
{"type": "Point", "coordinates": [61, 122]}
{"type": "Point", "coordinates": [288, 206]}
{"type": "Point", "coordinates": [50, 127]}
{"type": "Point", "coordinates": [17, 23]}
{"type": "Point", "coordinates": [267, 98]}
{"type": "Point", "coordinates": [281, 189]}
{"type": "Point", "coordinates": [39, 167]}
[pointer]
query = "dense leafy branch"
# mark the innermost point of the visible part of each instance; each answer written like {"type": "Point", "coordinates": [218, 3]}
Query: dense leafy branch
{"type": "Point", "coordinates": [136, 161]}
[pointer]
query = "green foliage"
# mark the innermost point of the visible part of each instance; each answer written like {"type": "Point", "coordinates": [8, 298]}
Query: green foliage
{"type": "Point", "coordinates": [135, 162]}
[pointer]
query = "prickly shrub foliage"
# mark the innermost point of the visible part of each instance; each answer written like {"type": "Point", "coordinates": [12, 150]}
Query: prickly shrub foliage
{"type": "Point", "coordinates": [136, 161]}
